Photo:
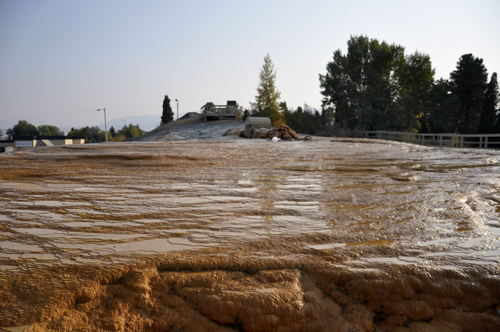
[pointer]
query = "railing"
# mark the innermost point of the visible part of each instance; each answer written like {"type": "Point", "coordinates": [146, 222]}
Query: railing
{"type": "Point", "coordinates": [222, 109]}
{"type": "Point", "coordinates": [450, 140]}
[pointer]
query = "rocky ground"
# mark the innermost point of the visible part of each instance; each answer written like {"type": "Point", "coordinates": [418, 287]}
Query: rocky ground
{"type": "Point", "coordinates": [233, 234]}
{"type": "Point", "coordinates": [194, 129]}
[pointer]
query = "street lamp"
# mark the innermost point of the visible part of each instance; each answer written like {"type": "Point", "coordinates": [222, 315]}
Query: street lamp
{"type": "Point", "coordinates": [105, 125]}
{"type": "Point", "coordinates": [177, 100]}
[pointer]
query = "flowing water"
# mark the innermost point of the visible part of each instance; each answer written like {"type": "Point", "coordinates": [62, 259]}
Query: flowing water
{"type": "Point", "coordinates": [331, 224]}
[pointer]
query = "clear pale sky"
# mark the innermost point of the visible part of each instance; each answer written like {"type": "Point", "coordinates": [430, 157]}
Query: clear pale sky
{"type": "Point", "coordinates": [61, 57]}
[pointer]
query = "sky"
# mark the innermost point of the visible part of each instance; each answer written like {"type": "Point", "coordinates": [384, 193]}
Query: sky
{"type": "Point", "coordinates": [62, 60]}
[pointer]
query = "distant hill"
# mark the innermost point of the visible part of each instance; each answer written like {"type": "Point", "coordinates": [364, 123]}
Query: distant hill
{"type": "Point", "coordinates": [146, 122]}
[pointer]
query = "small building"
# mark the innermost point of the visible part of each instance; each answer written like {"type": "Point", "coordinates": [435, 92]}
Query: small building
{"type": "Point", "coordinates": [25, 141]}
{"type": "Point", "coordinates": [30, 141]}
{"type": "Point", "coordinates": [7, 143]}
{"type": "Point", "coordinates": [219, 112]}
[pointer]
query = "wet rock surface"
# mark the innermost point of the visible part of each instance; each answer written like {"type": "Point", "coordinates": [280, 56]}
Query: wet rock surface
{"type": "Point", "coordinates": [249, 235]}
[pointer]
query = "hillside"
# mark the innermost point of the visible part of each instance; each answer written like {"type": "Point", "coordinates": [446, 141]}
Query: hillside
{"type": "Point", "coordinates": [194, 129]}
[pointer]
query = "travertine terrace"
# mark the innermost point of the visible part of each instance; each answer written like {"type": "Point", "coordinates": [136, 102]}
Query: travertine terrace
{"type": "Point", "coordinates": [250, 235]}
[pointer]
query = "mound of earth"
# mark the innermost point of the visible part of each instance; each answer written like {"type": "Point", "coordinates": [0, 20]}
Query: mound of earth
{"type": "Point", "coordinates": [190, 115]}
{"type": "Point", "coordinates": [192, 128]}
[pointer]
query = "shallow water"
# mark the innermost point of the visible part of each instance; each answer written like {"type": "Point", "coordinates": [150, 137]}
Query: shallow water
{"type": "Point", "coordinates": [360, 206]}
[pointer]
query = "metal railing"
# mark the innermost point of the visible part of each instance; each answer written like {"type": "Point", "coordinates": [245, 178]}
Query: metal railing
{"type": "Point", "coordinates": [221, 109]}
{"type": "Point", "coordinates": [450, 140]}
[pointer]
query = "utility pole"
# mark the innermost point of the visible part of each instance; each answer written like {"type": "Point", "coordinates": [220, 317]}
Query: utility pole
{"type": "Point", "coordinates": [105, 125]}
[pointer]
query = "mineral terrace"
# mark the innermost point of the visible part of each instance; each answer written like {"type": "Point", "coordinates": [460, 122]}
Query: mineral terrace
{"type": "Point", "coordinates": [250, 235]}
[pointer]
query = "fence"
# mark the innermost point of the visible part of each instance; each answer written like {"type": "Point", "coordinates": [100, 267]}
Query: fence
{"type": "Point", "coordinates": [450, 140]}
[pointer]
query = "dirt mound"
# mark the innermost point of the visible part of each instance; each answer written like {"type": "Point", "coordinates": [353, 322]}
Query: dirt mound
{"type": "Point", "coordinates": [190, 115]}
{"type": "Point", "coordinates": [193, 128]}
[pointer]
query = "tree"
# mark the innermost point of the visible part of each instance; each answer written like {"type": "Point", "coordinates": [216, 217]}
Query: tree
{"type": "Point", "coordinates": [84, 133]}
{"type": "Point", "coordinates": [469, 83]}
{"type": "Point", "coordinates": [1, 132]}
{"type": "Point", "coordinates": [266, 101]}
{"type": "Point", "coordinates": [415, 81]}
{"type": "Point", "coordinates": [135, 131]}
{"type": "Point", "coordinates": [130, 131]}
{"type": "Point", "coordinates": [246, 114]}
{"type": "Point", "coordinates": [102, 136]}
{"type": "Point", "coordinates": [112, 131]}
{"type": "Point", "coordinates": [376, 87]}
{"type": "Point", "coordinates": [49, 130]}
{"type": "Point", "coordinates": [443, 106]}
{"type": "Point", "coordinates": [303, 120]}
{"type": "Point", "coordinates": [488, 115]}
{"type": "Point", "coordinates": [168, 115]}
{"type": "Point", "coordinates": [95, 132]}
{"type": "Point", "coordinates": [23, 127]}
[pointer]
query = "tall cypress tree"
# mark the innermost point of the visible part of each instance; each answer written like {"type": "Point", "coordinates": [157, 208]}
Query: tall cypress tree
{"type": "Point", "coordinates": [488, 116]}
{"type": "Point", "coordinates": [469, 83]}
{"type": "Point", "coordinates": [168, 115]}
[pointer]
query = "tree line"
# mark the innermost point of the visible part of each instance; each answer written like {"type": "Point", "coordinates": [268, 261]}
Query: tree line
{"type": "Point", "coordinates": [377, 86]}
{"type": "Point", "coordinates": [89, 134]}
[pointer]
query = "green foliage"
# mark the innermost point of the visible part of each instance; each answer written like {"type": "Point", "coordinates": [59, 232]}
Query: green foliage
{"type": "Point", "coordinates": [443, 107]}
{"type": "Point", "coordinates": [241, 112]}
{"type": "Point", "coordinates": [48, 130]}
{"type": "Point", "coordinates": [96, 135]}
{"type": "Point", "coordinates": [84, 133]}
{"type": "Point", "coordinates": [307, 120]}
{"type": "Point", "coordinates": [266, 100]}
{"type": "Point", "coordinates": [469, 84]}
{"type": "Point", "coordinates": [376, 87]}
{"type": "Point", "coordinates": [488, 115]}
{"type": "Point", "coordinates": [112, 132]}
{"type": "Point", "coordinates": [90, 134]}
{"type": "Point", "coordinates": [1, 132]}
{"type": "Point", "coordinates": [415, 79]}
{"type": "Point", "coordinates": [246, 114]}
{"type": "Point", "coordinates": [23, 127]}
{"type": "Point", "coordinates": [302, 120]}
{"type": "Point", "coordinates": [130, 131]}
{"type": "Point", "coordinates": [168, 115]}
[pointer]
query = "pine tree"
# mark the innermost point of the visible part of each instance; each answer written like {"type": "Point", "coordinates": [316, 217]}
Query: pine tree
{"type": "Point", "coordinates": [112, 131]}
{"type": "Point", "coordinates": [266, 101]}
{"type": "Point", "coordinates": [168, 115]}
{"type": "Point", "coordinates": [488, 116]}
{"type": "Point", "coordinates": [469, 83]}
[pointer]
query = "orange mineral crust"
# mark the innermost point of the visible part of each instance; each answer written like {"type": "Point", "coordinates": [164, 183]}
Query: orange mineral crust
{"type": "Point", "coordinates": [250, 235]}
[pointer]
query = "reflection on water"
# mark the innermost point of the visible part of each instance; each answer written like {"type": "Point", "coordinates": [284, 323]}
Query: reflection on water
{"type": "Point", "coordinates": [382, 195]}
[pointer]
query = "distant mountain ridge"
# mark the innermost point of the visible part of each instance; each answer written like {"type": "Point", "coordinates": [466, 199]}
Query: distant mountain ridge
{"type": "Point", "coordinates": [146, 122]}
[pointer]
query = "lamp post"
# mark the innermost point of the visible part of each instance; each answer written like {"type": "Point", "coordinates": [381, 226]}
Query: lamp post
{"type": "Point", "coordinates": [177, 100]}
{"type": "Point", "coordinates": [105, 125]}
